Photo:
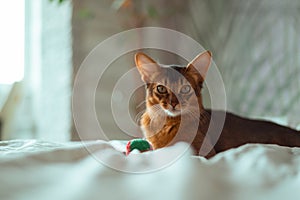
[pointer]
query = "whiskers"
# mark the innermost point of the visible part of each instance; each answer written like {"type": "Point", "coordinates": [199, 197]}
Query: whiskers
{"type": "Point", "coordinates": [193, 114]}
{"type": "Point", "coordinates": [138, 116]}
{"type": "Point", "coordinates": [204, 117]}
{"type": "Point", "coordinates": [157, 117]}
{"type": "Point", "coordinates": [140, 104]}
{"type": "Point", "coordinates": [201, 116]}
{"type": "Point", "coordinates": [157, 113]}
{"type": "Point", "coordinates": [140, 113]}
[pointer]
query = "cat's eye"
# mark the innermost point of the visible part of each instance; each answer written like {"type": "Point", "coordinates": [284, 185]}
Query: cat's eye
{"type": "Point", "coordinates": [161, 89]}
{"type": "Point", "coordinates": [185, 89]}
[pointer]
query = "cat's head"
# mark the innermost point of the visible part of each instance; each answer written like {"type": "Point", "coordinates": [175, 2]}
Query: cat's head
{"type": "Point", "coordinates": [173, 90]}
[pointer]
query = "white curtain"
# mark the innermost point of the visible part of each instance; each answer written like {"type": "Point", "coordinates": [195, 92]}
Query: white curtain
{"type": "Point", "coordinates": [256, 46]}
{"type": "Point", "coordinates": [45, 110]}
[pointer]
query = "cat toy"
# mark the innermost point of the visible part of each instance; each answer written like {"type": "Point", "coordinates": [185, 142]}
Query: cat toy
{"type": "Point", "coordinates": [140, 144]}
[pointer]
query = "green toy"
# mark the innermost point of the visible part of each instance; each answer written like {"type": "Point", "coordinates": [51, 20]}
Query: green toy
{"type": "Point", "coordinates": [140, 144]}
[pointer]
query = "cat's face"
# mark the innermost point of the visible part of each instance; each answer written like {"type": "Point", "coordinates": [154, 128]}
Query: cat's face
{"type": "Point", "coordinates": [173, 90]}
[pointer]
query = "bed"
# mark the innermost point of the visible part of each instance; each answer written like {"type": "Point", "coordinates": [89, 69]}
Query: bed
{"type": "Point", "coordinates": [32, 169]}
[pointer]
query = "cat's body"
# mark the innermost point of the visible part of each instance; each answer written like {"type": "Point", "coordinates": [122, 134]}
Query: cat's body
{"type": "Point", "coordinates": [174, 112]}
{"type": "Point", "coordinates": [239, 130]}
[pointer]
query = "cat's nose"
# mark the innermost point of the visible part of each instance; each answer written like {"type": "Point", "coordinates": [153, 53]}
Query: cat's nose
{"type": "Point", "coordinates": [174, 104]}
{"type": "Point", "coordinates": [174, 101]}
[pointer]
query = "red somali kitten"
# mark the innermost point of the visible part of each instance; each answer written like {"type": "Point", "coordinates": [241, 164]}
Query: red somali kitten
{"type": "Point", "coordinates": [175, 112]}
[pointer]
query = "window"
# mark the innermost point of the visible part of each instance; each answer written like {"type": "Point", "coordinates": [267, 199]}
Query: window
{"type": "Point", "coordinates": [33, 51]}
{"type": "Point", "coordinates": [12, 41]}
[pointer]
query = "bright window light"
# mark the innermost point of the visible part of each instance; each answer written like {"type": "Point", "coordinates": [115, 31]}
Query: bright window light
{"type": "Point", "coordinates": [12, 20]}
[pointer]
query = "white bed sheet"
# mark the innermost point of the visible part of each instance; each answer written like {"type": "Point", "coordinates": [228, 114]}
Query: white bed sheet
{"type": "Point", "coordinates": [68, 171]}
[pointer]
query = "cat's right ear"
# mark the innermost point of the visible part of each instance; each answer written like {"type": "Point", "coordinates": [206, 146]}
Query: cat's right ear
{"type": "Point", "coordinates": [146, 66]}
{"type": "Point", "coordinates": [200, 65]}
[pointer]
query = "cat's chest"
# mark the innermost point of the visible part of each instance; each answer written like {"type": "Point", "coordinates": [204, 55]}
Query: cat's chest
{"type": "Point", "coordinates": [160, 132]}
{"type": "Point", "coordinates": [162, 137]}
{"type": "Point", "coordinates": [160, 127]}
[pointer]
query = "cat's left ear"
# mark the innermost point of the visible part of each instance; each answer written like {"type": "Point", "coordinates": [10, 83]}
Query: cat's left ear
{"type": "Point", "coordinates": [200, 64]}
{"type": "Point", "coordinates": [146, 66]}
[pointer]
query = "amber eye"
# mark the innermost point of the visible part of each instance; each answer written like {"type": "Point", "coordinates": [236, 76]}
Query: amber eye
{"type": "Point", "coordinates": [161, 89]}
{"type": "Point", "coordinates": [185, 89]}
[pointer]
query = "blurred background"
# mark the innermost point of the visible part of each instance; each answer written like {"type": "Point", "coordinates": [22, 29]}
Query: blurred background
{"type": "Point", "coordinates": [255, 44]}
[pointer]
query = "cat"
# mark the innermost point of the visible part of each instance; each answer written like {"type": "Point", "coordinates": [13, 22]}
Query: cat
{"type": "Point", "coordinates": [174, 110]}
